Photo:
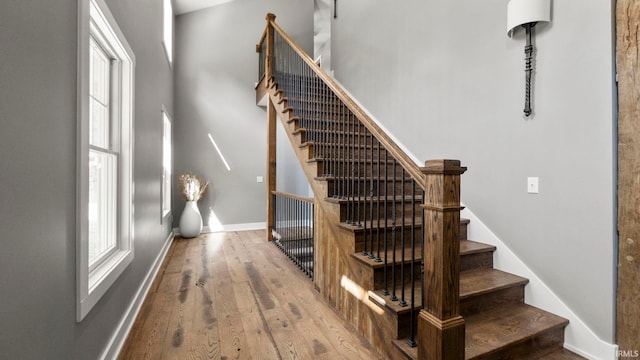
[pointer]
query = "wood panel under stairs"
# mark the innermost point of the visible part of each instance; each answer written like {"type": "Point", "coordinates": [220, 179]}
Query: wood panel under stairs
{"type": "Point", "coordinates": [499, 325]}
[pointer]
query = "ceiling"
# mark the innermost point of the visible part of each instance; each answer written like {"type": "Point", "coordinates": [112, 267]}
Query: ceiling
{"type": "Point", "coordinates": [185, 6]}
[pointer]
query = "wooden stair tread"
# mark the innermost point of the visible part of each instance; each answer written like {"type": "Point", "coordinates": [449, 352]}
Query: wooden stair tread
{"type": "Point", "coordinates": [472, 283]}
{"type": "Point", "coordinates": [483, 281]}
{"type": "Point", "coordinates": [398, 253]}
{"type": "Point", "coordinates": [408, 351]}
{"type": "Point", "coordinates": [411, 353]}
{"type": "Point", "coordinates": [331, 178]}
{"type": "Point", "coordinates": [502, 277]}
{"type": "Point", "coordinates": [368, 225]}
{"type": "Point", "coordinates": [340, 145]}
{"type": "Point", "coordinates": [388, 198]}
{"type": "Point", "coordinates": [356, 160]}
{"type": "Point", "coordinates": [473, 247]}
{"type": "Point", "coordinates": [385, 300]}
{"type": "Point", "coordinates": [494, 330]}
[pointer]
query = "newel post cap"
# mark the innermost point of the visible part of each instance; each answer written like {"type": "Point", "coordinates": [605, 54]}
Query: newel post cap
{"type": "Point", "coordinates": [443, 166]}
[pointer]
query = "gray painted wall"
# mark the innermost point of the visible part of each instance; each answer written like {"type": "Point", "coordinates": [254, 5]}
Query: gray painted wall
{"type": "Point", "coordinates": [290, 177]}
{"type": "Point", "coordinates": [444, 78]}
{"type": "Point", "coordinates": [216, 72]}
{"type": "Point", "coordinates": [38, 176]}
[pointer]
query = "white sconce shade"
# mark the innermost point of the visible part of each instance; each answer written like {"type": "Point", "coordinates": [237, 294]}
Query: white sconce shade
{"type": "Point", "coordinates": [520, 12]}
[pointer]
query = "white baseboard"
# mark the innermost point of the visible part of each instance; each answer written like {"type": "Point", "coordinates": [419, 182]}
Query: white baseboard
{"type": "Point", "coordinates": [230, 227]}
{"type": "Point", "coordinates": [118, 338]}
{"type": "Point", "coordinates": [238, 227]}
{"type": "Point", "coordinates": [578, 337]}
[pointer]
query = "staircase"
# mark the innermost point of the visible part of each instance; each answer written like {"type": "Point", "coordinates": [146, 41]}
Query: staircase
{"type": "Point", "coordinates": [498, 323]}
{"type": "Point", "coordinates": [377, 214]}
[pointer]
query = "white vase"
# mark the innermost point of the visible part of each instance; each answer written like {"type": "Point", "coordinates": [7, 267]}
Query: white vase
{"type": "Point", "coordinates": [190, 220]}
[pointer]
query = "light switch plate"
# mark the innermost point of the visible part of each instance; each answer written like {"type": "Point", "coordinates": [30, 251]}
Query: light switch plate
{"type": "Point", "coordinates": [259, 179]}
{"type": "Point", "coordinates": [533, 185]}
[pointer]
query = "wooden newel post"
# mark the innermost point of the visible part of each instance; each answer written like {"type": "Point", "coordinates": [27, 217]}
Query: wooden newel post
{"type": "Point", "coordinates": [271, 132]}
{"type": "Point", "coordinates": [440, 326]}
{"type": "Point", "coordinates": [268, 69]}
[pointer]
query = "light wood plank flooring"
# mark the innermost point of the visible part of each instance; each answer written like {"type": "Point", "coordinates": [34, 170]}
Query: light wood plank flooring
{"type": "Point", "coordinates": [235, 296]}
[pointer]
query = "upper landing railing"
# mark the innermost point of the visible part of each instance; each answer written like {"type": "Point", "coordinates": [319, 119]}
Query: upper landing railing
{"type": "Point", "coordinates": [402, 209]}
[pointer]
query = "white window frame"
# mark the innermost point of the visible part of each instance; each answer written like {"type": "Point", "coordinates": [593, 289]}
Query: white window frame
{"type": "Point", "coordinates": [96, 19]}
{"type": "Point", "coordinates": [167, 29]}
{"type": "Point", "coordinates": [167, 161]}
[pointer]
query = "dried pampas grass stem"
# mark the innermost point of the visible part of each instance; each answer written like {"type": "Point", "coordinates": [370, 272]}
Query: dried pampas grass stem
{"type": "Point", "coordinates": [191, 187]}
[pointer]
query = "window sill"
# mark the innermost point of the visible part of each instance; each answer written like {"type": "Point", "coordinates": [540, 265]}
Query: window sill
{"type": "Point", "coordinates": [101, 279]}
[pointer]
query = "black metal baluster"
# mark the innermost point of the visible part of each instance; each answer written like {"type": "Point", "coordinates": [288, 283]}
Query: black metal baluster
{"type": "Point", "coordinates": [422, 230]}
{"type": "Point", "coordinates": [378, 195]}
{"type": "Point", "coordinates": [318, 120]}
{"type": "Point", "coordinates": [290, 236]}
{"type": "Point", "coordinates": [336, 141]}
{"type": "Point", "coordinates": [313, 237]}
{"type": "Point", "coordinates": [300, 87]}
{"type": "Point", "coordinates": [299, 237]}
{"type": "Point", "coordinates": [326, 121]}
{"type": "Point", "coordinates": [412, 334]}
{"type": "Point", "coordinates": [327, 124]}
{"type": "Point", "coordinates": [330, 128]}
{"type": "Point", "coordinates": [357, 177]}
{"type": "Point", "coordinates": [337, 154]}
{"type": "Point", "coordinates": [370, 151]}
{"type": "Point", "coordinates": [314, 119]}
{"type": "Point", "coordinates": [302, 93]}
{"type": "Point", "coordinates": [344, 190]}
{"type": "Point", "coordinates": [385, 291]}
{"type": "Point", "coordinates": [402, 205]}
{"type": "Point", "coordinates": [274, 209]}
{"type": "Point", "coordinates": [352, 193]}
{"type": "Point", "coordinates": [362, 198]}
{"type": "Point", "coordinates": [393, 236]}
{"type": "Point", "coordinates": [308, 238]}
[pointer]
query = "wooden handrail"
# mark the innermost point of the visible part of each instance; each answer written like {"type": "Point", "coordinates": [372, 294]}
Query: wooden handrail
{"type": "Point", "coordinates": [262, 39]}
{"type": "Point", "coordinates": [293, 196]}
{"type": "Point", "coordinates": [407, 163]}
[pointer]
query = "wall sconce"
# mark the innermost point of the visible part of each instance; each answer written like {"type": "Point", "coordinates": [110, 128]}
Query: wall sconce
{"type": "Point", "coordinates": [527, 13]}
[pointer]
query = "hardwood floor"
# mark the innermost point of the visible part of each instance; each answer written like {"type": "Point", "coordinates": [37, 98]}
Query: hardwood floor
{"type": "Point", "coordinates": [235, 296]}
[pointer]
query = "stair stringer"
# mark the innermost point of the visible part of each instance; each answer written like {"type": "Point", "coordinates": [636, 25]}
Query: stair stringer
{"type": "Point", "coordinates": [578, 338]}
{"type": "Point", "coordinates": [338, 277]}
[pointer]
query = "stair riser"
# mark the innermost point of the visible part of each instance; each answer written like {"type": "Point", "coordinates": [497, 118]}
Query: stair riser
{"type": "Point", "coordinates": [361, 187]}
{"type": "Point", "coordinates": [495, 299]}
{"type": "Point", "coordinates": [463, 230]}
{"type": "Point", "coordinates": [303, 90]}
{"type": "Point", "coordinates": [396, 272]}
{"type": "Point", "coordinates": [326, 149]}
{"type": "Point", "coordinates": [359, 169]}
{"type": "Point", "coordinates": [360, 238]}
{"type": "Point", "coordinates": [362, 211]}
{"type": "Point", "coordinates": [404, 323]}
{"type": "Point", "coordinates": [466, 261]}
{"type": "Point", "coordinates": [476, 261]}
{"type": "Point", "coordinates": [313, 96]}
{"type": "Point", "coordinates": [325, 118]}
{"type": "Point", "coordinates": [319, 135]}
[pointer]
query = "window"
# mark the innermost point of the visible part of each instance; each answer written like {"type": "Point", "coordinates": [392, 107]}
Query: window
{"type": "Point", "coordinates": [166, 164]}
{"type": "Point", "coordinates": [105, 154]}
{"type": "Point", "coordinates": [167, 28]}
